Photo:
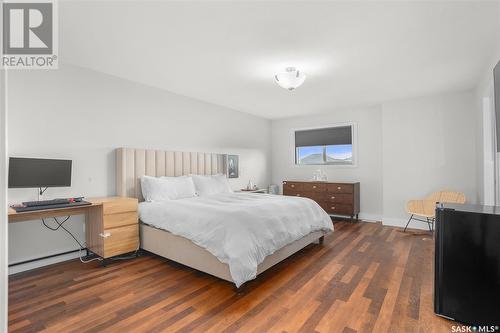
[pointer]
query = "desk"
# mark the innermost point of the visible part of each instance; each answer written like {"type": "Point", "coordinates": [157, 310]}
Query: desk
{"type": "Point", "coordinates": [111, 224]}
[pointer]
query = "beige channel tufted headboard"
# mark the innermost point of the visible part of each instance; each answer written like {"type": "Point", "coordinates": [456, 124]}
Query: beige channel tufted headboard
{"type": "Point", "coordinates": [132, 164]}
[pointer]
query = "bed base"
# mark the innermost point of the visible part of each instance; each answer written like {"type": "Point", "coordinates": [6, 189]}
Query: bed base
{"type": "Point", "coordinates": [182, 250]}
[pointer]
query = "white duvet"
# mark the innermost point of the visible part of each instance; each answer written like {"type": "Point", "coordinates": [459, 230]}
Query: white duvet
{"type": "Point", "coordinates": [240, 229]}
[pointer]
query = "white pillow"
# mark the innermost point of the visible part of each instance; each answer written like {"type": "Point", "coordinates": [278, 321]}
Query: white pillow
{"type": "Point", "coordinates": [208, 185]}
{"type": "Point", "coordinates": [167, 188]}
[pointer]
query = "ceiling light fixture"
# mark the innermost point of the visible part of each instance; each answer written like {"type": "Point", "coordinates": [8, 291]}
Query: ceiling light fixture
{"type": "Point", "coordinates": [291, 79]}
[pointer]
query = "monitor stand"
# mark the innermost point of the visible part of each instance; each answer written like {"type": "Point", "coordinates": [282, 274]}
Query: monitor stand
{"type": "Point", "coordinates": [41, 191]}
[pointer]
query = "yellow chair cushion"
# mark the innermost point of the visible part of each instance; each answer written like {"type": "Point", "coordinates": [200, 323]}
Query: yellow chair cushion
{"type": "Point", "coordinates": [427, 207]}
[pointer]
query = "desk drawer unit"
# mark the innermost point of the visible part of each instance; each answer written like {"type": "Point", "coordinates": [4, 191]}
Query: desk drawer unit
{"type": "Point", "coordinates": [335, 198]}
{"type": "Point", "coordinates": [113, 229]}
{"type": "Point", "coordinates": [120, 205]}
{"type": "Point", "coordinates": [121, 240]}
{"type": "Point", "coordinates": [120, 219]}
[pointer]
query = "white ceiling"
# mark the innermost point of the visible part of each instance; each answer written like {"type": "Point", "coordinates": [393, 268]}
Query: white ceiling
{"type": "Point", "coordinates": [354, 53]}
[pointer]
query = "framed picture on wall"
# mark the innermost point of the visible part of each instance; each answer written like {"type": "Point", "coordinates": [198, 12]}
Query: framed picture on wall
{"type": "Point", "coordinates": [232, 166]}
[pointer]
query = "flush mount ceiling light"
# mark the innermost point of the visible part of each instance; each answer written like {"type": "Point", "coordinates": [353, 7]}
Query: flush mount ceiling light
{"type": "Point", "coordinates": [291, 79]}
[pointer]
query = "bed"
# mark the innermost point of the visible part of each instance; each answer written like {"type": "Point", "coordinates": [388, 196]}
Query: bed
{"type": "Point", "coordinates": [233, 236]}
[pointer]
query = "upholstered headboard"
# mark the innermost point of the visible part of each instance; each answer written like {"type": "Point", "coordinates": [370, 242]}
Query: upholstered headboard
{"type": "Point", "coordinates": [132, 164]}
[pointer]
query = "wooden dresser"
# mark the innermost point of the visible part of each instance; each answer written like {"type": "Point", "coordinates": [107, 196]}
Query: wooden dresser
{"type": "Point", "coordinates": [335, 198]}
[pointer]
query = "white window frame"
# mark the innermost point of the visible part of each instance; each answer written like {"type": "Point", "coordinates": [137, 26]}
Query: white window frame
{"type": "Point", "coordinates": [354, 134]}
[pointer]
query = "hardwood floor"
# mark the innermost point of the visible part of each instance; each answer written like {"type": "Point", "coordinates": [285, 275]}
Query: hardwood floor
{"type": "Point", "coordinates": [365, 278]}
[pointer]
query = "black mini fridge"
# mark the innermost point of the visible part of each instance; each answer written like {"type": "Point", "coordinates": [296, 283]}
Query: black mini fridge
{"type": "Point", "coordinates": [467, 264]}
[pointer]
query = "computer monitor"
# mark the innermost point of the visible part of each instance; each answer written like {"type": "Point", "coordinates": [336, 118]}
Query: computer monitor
{"type": "Point", "coordinates": [39, 172]}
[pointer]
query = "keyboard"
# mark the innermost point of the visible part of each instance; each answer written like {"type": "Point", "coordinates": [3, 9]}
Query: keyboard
{"type": "Point", "coordinates": [46, 202]}
{"type": "Point", "coordinates": [66, 204]}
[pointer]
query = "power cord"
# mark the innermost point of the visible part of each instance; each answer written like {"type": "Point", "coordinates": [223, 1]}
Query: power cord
{"type": "Point", "coordinates": [60, 225]}
{"type": "Point", "coordinates": [132, 256]}
{"type": "Point", "coordinates": [80, 245]}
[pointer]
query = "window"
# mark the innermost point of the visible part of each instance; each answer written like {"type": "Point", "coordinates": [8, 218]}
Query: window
{"type": "Point", "coordinates": [332, 145]}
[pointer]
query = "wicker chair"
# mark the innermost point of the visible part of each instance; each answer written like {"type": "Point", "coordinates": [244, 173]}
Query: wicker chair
{"type": "Point", "coordinates": [426, 208]}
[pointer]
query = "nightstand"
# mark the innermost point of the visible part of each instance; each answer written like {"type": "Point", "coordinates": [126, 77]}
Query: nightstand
{"type": "Point", "coordinates": [112, 227]}
{"type": "Point", "coordinates": [260, 190]}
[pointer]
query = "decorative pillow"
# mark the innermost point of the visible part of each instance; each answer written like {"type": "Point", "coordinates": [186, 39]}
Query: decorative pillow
{"type": "Point", "coordinates": [167, 188]}
{"type": "Point", "coordinates": [208, 185]}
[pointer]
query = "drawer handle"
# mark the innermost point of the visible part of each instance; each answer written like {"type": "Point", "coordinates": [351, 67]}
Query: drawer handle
{"type": "Point", "coordinates": [339, 188]}
{"type": "Point", "coordinates": [297, 194]}
{"type": "Point", "coordinates": [105, 235]}
{"type": "Point", "coordinates": [314, 186]}
{"type": "Point", "coordinates": [292, 185]}
{"type": "Point", "coordinates": [333, 208]}
{"type": "Point", "coordinates": [333, 198]}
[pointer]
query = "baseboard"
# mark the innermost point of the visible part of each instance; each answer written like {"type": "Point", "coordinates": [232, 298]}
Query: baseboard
{"type": "Point", "coordinates": [367, 217]}
{"type": "Point", "coordinates": [362, 217]}
{"type": "Point", "coordinates": [399, 222]}
{"type": "Point", "coordinates": [42, 262]}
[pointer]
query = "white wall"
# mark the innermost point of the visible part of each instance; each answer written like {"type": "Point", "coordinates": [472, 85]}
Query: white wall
{"type": "Point", "coordinates": [84, 115]}
{"type": "Point", "coordinates": [369, 156]}
{"type": "Point", "coordinates": [3, 204]}
{"type": "Point", "coordinates": [428, 145]}
{"type": "Point", "coordinates": [406, 149]}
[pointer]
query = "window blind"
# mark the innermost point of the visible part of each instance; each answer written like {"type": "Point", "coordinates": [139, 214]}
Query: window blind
{"type": "Point", "coordinates": [330, 136]}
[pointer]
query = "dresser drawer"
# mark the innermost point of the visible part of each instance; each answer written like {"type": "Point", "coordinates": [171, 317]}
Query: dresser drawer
{"type": "Point", "coordinates": [121, 240]}
{"type": "Point", "coordinates": [295, 193]}
{"type": "Point", "coordinates": [340, 198]}
{"type": "Point", "coordinates": [340, 188]}
{"type": "Point", "coordinates": [314, 187]}
{"type": "Point", "coordinates": [316, 196]}
{"type": "Point", "coordinates": [120, 219]}
{"type": "Point", "coordinates": [290, 186]}
{"type": "Point", "coordinates": [340, 209]}
{"type": "Point", "coordinates": [120, 206]}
